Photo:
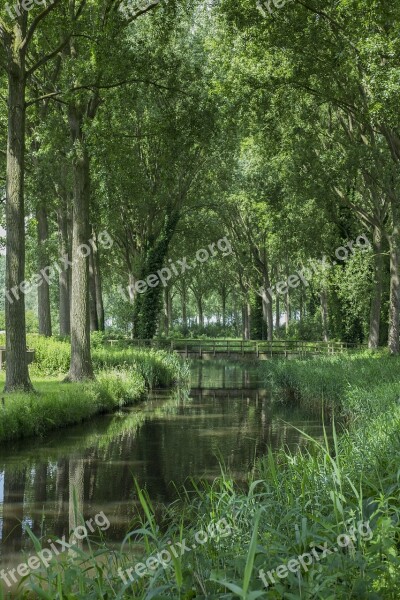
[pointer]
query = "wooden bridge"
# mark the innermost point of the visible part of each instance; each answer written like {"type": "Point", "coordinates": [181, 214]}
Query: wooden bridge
{"type": "Point", "coordinates": [242, 349]}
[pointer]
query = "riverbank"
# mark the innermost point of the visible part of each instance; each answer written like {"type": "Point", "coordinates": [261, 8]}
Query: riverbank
{"type": "Point", "coordinates": [122, 377]}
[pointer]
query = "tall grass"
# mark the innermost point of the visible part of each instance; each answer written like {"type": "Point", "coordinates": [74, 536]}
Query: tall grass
{"type": "Point", "coordinates": [158, 368]}
{"type": "Point", "coordinates": [353, 386]}
{"type": "Point", "coordinates": [56, 405]}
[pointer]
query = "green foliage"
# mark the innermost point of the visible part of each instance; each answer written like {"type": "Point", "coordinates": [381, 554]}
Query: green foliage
{"type": "Point", "coordinates": [31, 321]}
{"type": "Point", "coordinates": [309, 328]}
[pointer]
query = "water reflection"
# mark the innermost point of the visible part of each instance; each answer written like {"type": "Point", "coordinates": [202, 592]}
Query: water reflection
{"type": "Point", "coordinates": [228, 417]}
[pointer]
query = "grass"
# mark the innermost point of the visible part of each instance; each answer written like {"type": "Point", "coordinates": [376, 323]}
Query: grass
{"type": "Point", "coordinates": [348, 487]}
{"type": "Point", "coordinates": [56, 404]}
{"type": "Point", "coordinates": [158, 368]}
{"type": "Point", "coordinates": [122, 377]}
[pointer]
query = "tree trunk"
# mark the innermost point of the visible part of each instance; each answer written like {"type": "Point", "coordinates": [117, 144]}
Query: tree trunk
{"type": "Point", "coordinates": [199, 302]}
{"type": "Point", "coordinates": [167, 321]}
{"type": "Point", "coordinates": [64, 275]}
{"type": "Point", "coordinates": [223, 301]}
{"type": "Point", "coordinates": [301, 305]}
{"type": "Point", "coordinates": [44, 314]}
{"type": "Point", "coordinates": [324, 313]}
{"type": "Point", "coordinates": [184, 309]}
{"type": "Point", "coordinates": [246, 320]}
{"type": "Point", "coordinates": [94, 322]}
{"type": "Point", "coordinates": [268, 314]}
{"type": "Point", "coordinates": [98, 285]}
{"type": "Point", "coordinates": [148, 306]}
{"type": "Point", "coordinates": [394, 303]}
{"type": "Point", "coordinates": [376, 301]}
{"type": "Point", "coordinates": [169, 307]}
{"type": "Point", "coordinates": [17, 374]}
{"type": "Point", "coordinates": [287, 311]}
{"type": "Point", "coordinates": [277, 313]}
{"type": "Point", "coordinates": [81, 362]}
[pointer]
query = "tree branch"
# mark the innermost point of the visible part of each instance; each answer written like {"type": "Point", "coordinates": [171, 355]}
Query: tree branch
{"type": "Point", "coordinates": [93, 87]}
{"type": "Point", "coordinates": [36, 22]}
{"type": "Point", "coordinates": [66, 40]}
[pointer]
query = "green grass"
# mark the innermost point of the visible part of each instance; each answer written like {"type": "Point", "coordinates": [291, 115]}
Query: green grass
{"type": "Point", "coordinates": [55, 404]}
{"type": "Point", "coordinates": [158, 368]}
{"type": "Point", "coordinates": [354, 386]}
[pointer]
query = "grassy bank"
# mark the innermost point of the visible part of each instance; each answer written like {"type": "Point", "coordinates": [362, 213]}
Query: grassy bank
{"type": "Point", "coordinates": [122, 378]}
{"type": "Point", "coordinates": [295, 502]}
{"type": "Point", "coordinates": [55, 404]}
{"type": "Point", "coordinates": [354, 386]}
{"type": "Point", "coordinates": [158, 368]}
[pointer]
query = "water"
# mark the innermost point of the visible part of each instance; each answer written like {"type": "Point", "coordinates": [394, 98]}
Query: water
{"type": "Point", "coordinates": [229, 418]}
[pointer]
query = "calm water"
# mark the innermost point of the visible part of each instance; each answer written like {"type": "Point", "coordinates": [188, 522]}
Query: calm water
{"type": "Point", "coordinates": [228, 418]}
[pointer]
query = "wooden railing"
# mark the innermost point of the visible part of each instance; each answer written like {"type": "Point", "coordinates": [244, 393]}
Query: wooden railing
{"type": "Point", "coordinates": [219, 346]}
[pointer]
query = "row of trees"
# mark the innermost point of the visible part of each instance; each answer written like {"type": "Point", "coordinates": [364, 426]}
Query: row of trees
{"type": "Point", "coordinates": [176, 124]}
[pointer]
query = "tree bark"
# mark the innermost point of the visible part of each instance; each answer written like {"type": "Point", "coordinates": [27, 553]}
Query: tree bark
{"type": "Point", "coordinates": [376, 301]}
{"type": "Point", "coordinates": [184, 308]}
{"type": "Point", "coordinates": [81, 361]}
{"type": "Point", "coordinates": [277, 313]}
{"type": "Point", "coordinates": [324, 313]}
{"type": "Point", "coordinates": [17, 374]}
{"type": "Point", "coordinates": [98, 284]}
{"type": "Point", "coordinates": [169, 308]}
{"type": "Point", "coordinates": [287, 311]}
{"type": "Point", "coordinates": [394, 302]}
{"type": "Point", "coordinates": [44, 314]}
{"type": "Point", "coordinates": [268, 314]}
{"type": "Point", "coordinates": [167, 321]}
{"type": "Point", "coordinates": [246, 320]}
{"type": "Point", "coordinates": [64, 275]}
{"type": "Point", "coordinates": [94, 322]}
{"type": "Point", "coordinates": [199, 302]}
{"type": "Point", "coordinates": [223, 301]}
